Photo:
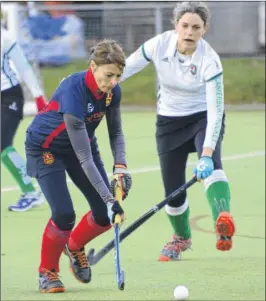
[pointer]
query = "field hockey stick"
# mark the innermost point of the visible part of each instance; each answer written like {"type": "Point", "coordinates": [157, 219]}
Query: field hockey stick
{"type": "Point", "coordinates": [120, 274]}
{"type": "Point", "coordinates": [93, 259]}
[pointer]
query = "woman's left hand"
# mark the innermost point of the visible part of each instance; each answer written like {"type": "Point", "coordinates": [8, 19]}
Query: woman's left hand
{"type": "Point", "coordinates": [204, 168]}
{"type": "Point", "coordinates": [122, 175]}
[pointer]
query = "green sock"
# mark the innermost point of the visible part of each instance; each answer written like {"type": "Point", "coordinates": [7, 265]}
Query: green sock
{"type": "Point", "coordinates": [16, 166]}
{"type": "Point", "coordinates": [218, 193]}
{"type": "Point", "coordinates": [179, 218]}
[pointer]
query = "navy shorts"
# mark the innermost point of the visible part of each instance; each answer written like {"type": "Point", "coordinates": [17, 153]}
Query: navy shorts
{"type": "Point", "coordinates": [50, 169]}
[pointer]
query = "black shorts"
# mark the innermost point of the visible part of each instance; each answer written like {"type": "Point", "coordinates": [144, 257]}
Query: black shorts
{"type": "Point", "coordinates": [174, 132]}
{"type": "Point", "coordinates": [12, 101]}
{"type": "Point", "coordinates": [11, 114]}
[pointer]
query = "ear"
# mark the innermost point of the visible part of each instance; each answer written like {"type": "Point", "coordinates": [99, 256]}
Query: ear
{"type": "Point", "coordinates": [93, 66]}
{"type": "Point", "coordinates": [206, 29]}
{"type": "Point", "coordinates": [176, 27]}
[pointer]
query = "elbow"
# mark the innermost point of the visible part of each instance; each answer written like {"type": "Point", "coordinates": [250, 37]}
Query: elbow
{"type": "Point", "coordinates": [85, 157]}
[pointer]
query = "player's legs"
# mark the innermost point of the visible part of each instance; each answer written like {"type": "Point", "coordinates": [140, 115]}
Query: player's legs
{"type": "Point", "coordinates": [57, 231]}
{"type": "Point", "coordinates": [94, 222]}
{"type": "Point", "coordinates": [173, 169]}
{"type": "Point", "coordinates": [218, 195]}
{"type": "Point", "coordinates": [11, 115]}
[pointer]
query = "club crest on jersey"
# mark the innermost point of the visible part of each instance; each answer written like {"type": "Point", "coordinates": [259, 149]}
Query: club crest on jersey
{"type": "Point", "coordinates": [48, 158]}
{"type": "Point", "coordinates": [108, 99]}
{"type": "Point", "coordinates": [90, 107]}
{"type": "Point", "coordinates": [193, 69]}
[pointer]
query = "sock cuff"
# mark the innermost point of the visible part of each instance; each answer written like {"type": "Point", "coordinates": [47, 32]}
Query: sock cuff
{"type": "Point", "coordinates": [54, 232]}
{"type": "Point", "coordinates": [218, 175]}
{"type": "Point", "coordinates": [92, 223]}
{"type": "Point", "coordinates": [7, 150]}
{"type": "Point", "coordinates": [174, 211]}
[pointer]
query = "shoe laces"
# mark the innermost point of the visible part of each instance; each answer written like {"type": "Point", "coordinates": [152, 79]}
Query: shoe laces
{"type": "Point", "coordinates": [24, 200]}
{"type": "Point", "coordinates": [178, 244]}
{"type": "Point", "coordinates": [30, 195]}
{"type": "Point", "coordinates": [51, 275]}
{"type": "Point", "coordinates": [81, 258]}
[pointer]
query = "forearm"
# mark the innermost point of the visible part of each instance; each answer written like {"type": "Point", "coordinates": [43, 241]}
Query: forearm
{"type": "Point", "coordinates": [80, 142]}
{"type": "Point", "coordinates": [215, 111]}
{"type": "Point", "coordinates": [116, 136]}
{"type": "Point", "coordinates": [118, 149]}
{"type": "Point", "coordinates": [207, 151]}
{"type": "Point", "coordinates": [25, 70]}
{"type": "Point", "coordinates": [135, 63]}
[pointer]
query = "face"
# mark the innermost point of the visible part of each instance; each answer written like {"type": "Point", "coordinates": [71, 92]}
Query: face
{"type": "Point", "coordinates": [106, 76]}
{"type": "Point", "coordinates": [190, 29]}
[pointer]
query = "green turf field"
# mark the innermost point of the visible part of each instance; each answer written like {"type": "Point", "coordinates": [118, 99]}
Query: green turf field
{"type": "Point", "coordinates": [208, 274]}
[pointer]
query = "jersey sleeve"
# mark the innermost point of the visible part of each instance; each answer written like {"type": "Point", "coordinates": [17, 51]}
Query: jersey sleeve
{"type": "Point", "coordinates": [140, 58]}
{"type": "Point", "coordinates": [215, 110]}
{"type": "Point", "coordinates": [23, 67]}
{"type": "Point", "coordinates": [80, 142]}
{"type": "Point", "coordinates": [72, 101]}
{"type": "Point", "coordinates": [114, 125]}
{"type": "Point", "coordinates": [214, 69]}
{"type": "Point", "coordinates": [9, 43]}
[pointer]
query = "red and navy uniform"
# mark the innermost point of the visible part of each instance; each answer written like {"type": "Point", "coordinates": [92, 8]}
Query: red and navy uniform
{"type": "Point", "coordinates": [50, 154]}
{"type": "Point", "coordinates": [77, 95]}
{"type": "Point", "coordinates": [76, 107]}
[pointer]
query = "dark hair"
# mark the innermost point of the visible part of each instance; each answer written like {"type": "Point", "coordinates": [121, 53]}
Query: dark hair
{"type": "Point", "coordinates": [197, 7]}
{"type": "Point", "coordinates": [108, 52]}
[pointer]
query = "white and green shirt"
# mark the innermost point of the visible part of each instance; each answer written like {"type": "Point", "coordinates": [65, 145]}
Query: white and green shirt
{"type": "Point", "coordinates": [187, 84]}
{"type": "Point", "coordinates": [13, 60]}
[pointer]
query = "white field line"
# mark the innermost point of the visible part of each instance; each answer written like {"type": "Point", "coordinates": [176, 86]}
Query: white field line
{"type": "Point", "coordinates": [156, 168]}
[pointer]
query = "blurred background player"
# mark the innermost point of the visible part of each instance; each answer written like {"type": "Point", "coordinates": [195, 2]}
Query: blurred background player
{"type": "Point", "coordinates": [62, 139]}
{"type": "Point", "coordinates": [12, 102]}
{"type": "Point", "coordinates": [190, 118]}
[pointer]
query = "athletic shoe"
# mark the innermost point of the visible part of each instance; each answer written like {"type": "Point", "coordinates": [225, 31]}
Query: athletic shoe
{"type": "Point", "coordinates": [27, 201]}
{"type": "Point", "coordinates": [173, 249]}
{"type": "Point", "coordinates": [49, 282]}
{"type": "Point", "coordinates": [79, 264]}
{"type": "Point", "coordinates": [225, 229]}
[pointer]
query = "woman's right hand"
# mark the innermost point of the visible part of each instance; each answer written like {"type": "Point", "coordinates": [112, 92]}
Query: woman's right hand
{"type": "Point", "coordinates": [114, 208]}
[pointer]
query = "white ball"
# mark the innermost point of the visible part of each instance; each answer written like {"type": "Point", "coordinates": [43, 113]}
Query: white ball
{"type": "Point", "coordinates": [181, 292]}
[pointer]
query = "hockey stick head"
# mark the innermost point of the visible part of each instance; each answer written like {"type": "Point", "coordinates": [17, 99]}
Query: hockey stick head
{"type": "Point", "coordinates": [121, 284]}
{"type": "Point", "coordinates": [90, 256]}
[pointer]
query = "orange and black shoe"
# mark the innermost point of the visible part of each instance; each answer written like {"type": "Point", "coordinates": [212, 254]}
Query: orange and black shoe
{"type": "Point", "coordinates": [49, 282]}
{"type": "Point", "coordinates": [79, 265]}
{"type": "Point", "coordinates": [225, 230]}
{"type": "Point", "coordinates": [173, 249]}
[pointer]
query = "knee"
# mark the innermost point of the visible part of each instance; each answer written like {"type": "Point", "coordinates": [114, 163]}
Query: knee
{"type": "Point", "coordinates": [6, 140]}
{"type": "Point", "coordinates": [101, 219]}
{"type": "Point", "coordinates": [218, 175]}
{"type": "Point", "coordinates": [178, 201]}
{"type": "Point", "coordinates": [5, 143]}
{"type": "Point", "coordinates": [64, 221]}
{"type": "Point", "coordinates": [176, 210]}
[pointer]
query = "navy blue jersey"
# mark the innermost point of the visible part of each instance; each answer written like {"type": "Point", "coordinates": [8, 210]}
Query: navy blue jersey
{"type": "Point", "coordinates": [77, 95]}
